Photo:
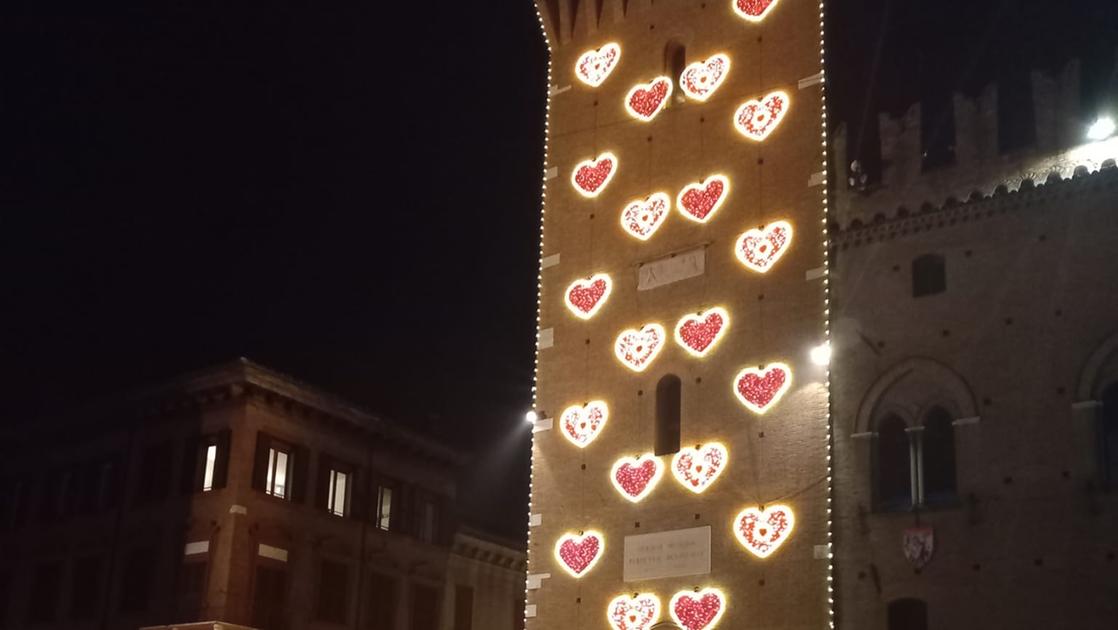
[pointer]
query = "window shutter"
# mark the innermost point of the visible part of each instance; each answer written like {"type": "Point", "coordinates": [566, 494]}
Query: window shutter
{"type": "Point", "coordinates": [300, 470]}
{"type": "Point", "coordinates": [190, 475]}
{"type": "Point", "coordinates": [221, 466]}
{"type": "Point", "coordinates": [260, 464]}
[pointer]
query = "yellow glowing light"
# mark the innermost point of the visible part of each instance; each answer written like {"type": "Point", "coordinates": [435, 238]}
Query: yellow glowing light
{"type": "Point", "coordinates": [578, 553]}
{"type": "Point", "coordinates": [594, 66]}
{"type": "Point", "coordinates": [581, 424]}
{"type": "Point", "coordinates": [760, 249]}
{"type": "Point", "coordinates": [637, 348]}
{"type": "Point", "coordinates": [635, 477]}
{"type": "Point", "coordinates": [586, 296]}
{"type": "Point", "coordinates": [699, 201]}
{"type": "Point", "coordinates": [700, 610]}
{"type": "Point", "coordinates": [756, 119]}
{"type": "Point", "coordinates": [760, 389]}
{"type": "Point", "coordinates": [638, 612]}
{"type": "Point", "coordinates": [698, 333]}
{"type": "Point", "coordinates": [645, 100]}
{"type": "Point", "coordinates": [698, 468]}
{"type": "Point", "coordinates": [590, 177]}
{"type": "Point", "coordinates": [642, 217]}
{"type": "Point", "coordinates": [753, 10]}
{"type": "Point", "coordinates": [700, 79]}
{"type": "Point", "coordinates": [763, 531]}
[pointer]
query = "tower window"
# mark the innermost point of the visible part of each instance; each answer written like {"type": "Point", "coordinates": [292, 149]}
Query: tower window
{"type": "Point", "coordinates": [908, 614]}
{"type": "Point", "coordinates": [668, 402]}
{"type": "Point", "coordinates": [929, 275]}
{"type": "Point", "coordinates": [937, 458]}
{"type": "Point", "coordinates": [675, 60]}
{"type": "Point", "coordinates": [1109, 435]}
{"type": "Point", "coordinates": [893, 483]}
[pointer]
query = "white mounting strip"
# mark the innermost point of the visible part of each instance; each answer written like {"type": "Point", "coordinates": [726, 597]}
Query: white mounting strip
{"type": "Point", "coordinates": [195, 548]}
{"type": "Point", "coordinates": [552, 172]}
{"type": "Point", "coordinates": [530, 611]}
{"type": "Point", "coordinates": [535, 580]}
{"type": "Point", "coordinates": [1086, 404]}
{"type": "Point", "coordinates": [817, 179]}
{"type": "Point", "coordinates": [914, 430]}
{"type": "Point", "coordinates": [962, 422]}
{"type": "Point", "coordinates": [813, 80]}
{"type": "Point", "coordinates": [547, 338]}
{"type": "Point", "coordinates": [821, 552]}
{"type": "Point", "coordinates": [543, 424]}
{"type": "Point", "coordinates": [555, 89]}
{"type": "Point", "coordinates": [238, 509]}
{"type": "Point", "coordinates": [549, 261]}
{"type": "Point", "coordinates": [815, 274]}
{"type": "Point", "coordinates": [863, 436]}
{"type": "Point", "coordinates": [275, 553]}
{"type": "Point", "coordinates": [535, 520]}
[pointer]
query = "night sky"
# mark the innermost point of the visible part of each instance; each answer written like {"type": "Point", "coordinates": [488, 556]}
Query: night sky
{"type": "Point", "coordinates": [350, 195]}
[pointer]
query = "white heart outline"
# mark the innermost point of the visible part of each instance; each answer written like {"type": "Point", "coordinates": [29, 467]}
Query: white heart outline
{"type": "Point", "coordinates": [600, 50]}
{"type": "Point", "coordinates": [764, 233]}
{"type": "Point", "coordinates": [643, 330]}
{"type": "Point", "coordinates": [763, 517]}
{"type": "Point", "coordinates": [702, 66]}
{"type": "Point", "coordinates": [652, 599]}
{"type": "Point", "coordinates": [660, 197]}
{"type": "Point", "coordinates": [761, 103]}
{"type": "Point", "coordinates": [697, 453]}
{"type": "Point", "coordinates": [580, 409]}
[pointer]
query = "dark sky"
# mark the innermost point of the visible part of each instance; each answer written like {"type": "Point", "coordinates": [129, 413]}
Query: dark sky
{"type": "Point", "coordinates": [348, 194]}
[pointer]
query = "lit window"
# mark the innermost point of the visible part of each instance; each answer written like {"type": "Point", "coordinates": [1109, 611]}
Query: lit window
{"type": "Point", "coordinates": [278, 472]}
{"type": "Point", "coordinates": [336, 497]}
{"type": "Point", "coordinates": [208, 471]}
{"type": "Point", "coordinates": [384, 508]}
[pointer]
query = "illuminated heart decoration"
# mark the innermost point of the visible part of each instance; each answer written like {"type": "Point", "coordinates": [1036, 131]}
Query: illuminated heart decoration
{"type": "Point", "coordinates": [635, 477]}
{"type": "Point", "coordinates": [759, 249]}
{"type": "Point", "coordinates": [578, 554]}
{"type": "Point", "coordinates": [646, 100]}
{"type": "Point", "coordinates": [700, 200]}
{"type": "Point", "coordinates": [753, 10]}
{"type": "Point", "coordinates": [633, 613]}
{"type": "Point", "coordinates": [700, 79]}
{"type": "Point", "coordinates": [759, 389]}
{"type": "Point", "coordinates": [591, 177]}
{"type": "Point", "coordinates": [699, 333]}
{"type": "Point", "coordinates": [697, 468]}
{"type": "Point", "coordinates": [698, 611]}
{"type": "Point", "coordinates": [582, 424]}
{"type": "Point", "coordinates": [636, 349]}
{"type": "Point", "coordinates": [595, 66]}
{"type": "Point", "coordinates": [763, 531]}
{"type": "Point", "coordinates": [586, 297]}
{"type": "Point", "coordinates": [643, 217]}
{"type": "Point", "coordinates": [757, 119]}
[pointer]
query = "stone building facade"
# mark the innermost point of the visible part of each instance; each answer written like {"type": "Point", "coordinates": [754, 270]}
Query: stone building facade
{"type": "Point", "coordinates": [242, 496]}
{"type": "Point", "coordinates": [667, 473]}
{"type": "Point", "coordinates": [975, 387]}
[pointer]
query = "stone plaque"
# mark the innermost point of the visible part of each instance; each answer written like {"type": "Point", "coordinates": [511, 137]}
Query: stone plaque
{"type": "Point", "coordinates": [667, 554]}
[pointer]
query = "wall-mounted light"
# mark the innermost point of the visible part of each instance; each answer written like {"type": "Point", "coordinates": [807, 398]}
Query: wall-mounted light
{"type": "Point", "coordinates": [1101, 129]}
{"type": "Point", "coordinates": [821, 354]}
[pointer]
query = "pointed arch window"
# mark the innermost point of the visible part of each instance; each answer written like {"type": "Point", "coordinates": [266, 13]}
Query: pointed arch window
{"type": "Point", "coordinates": [669, 401]}
{"type": "Point", "coordinates": [1108, 435]}
{"type": "Point", "coordinates": [675, 60]}
{"type": "Point", "coordinates": [892, 466]}
{"type": "Point", "coordinates": [937, 457]}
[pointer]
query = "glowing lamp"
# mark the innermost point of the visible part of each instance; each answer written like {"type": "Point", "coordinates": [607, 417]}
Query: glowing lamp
{"type": "Point", "coordinates": [645, 100]}
{"type": "Point", "coordinates": [1101, 129]}
{"type": "Point", "coordinates": [759, 389]}
{"type": "Point", "coordinates": [821, 354]}
{"type": "Point", "coordinates": [578, 553]}
{"type": "Point", "coordinates": [699, 201]}
{"type": "Point", "coordinates": [594, 66]}
{"type": "Point", "coordinates": [581, 424]}
{"type": "Point", "coordinates": [763, 531]}
{"type": "Point", "coordinates": [638, 612]}
{"type": "Point", "coordinates": [760, 248]}
{"type": "Point", "coordinates": [585, 297]}
{"type": "Point", "coordinates": [636, 348]}
{"type": "Point", "coordinates": [698, 610]}
{"type": "Point", "coordinates": [642, 217]}
{"type": "Point", "coordinates": [756, 119]}
{"type": "Point", "coordinates": [531, 417]}
{"type": "Point", "coordinates": [635, 477]}
{"type": "Point", "coordinates": [697, 468]}
{"type": "Point", "coordinates": [698, 333]}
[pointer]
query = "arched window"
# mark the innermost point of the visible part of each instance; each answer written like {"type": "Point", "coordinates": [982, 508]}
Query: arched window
{"type": "Point", "coordinates": [892, 470]}
{"type": "Point", "coordinates": [938, 457]}
{"type": "Point", "coordinates": [929, 275]}
{"type": "Point", "coordinates": [669, 399]}
{"type": "Point", "coordinates": [1109, 437]}
{"type": "Point", "coordinates": [675, 60]}
{"type": "Point", "coordinates": [908, 614]}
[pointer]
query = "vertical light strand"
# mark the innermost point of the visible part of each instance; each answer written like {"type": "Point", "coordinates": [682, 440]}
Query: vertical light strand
{"type": "Point", "coordinates": [831, 624]}
{"type": "Point", "coordinates": [539, 301]}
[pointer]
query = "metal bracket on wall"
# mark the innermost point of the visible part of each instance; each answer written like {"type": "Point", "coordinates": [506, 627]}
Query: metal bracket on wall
{"type": "Point", "coordinates": [535, 520]}
{"type": "Point", "coordinates": [535, 580]}
{"type": "Point", "coordinates": [556, 90]}
{"type": "Point", "coordinates": [962, 422]}
{"type": "Point", "coordinates": [1085, 404]}
{"type": "Point", "coordinates": [543, 424]}
{"type": "Point", "coordinates": [549, 261]}
{"type": "Point", "coordinates": [530, 611]}
{"type": "Point", "coordinates": [817, 179]}
{"type": "Point", "coordinates": [547, 338]}
{"type": "Point", "coordinates": [551, 173]}
{"type": "Point", "coordinates": [811, 81]}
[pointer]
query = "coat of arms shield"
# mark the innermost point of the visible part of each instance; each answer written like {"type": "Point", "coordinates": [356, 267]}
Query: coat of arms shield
{"type": "Point", "coordinates": [919, 545]}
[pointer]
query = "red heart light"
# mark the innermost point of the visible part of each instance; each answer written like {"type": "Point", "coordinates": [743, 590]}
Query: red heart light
{"type": "Point", "coordinates": [753, 10]}
{"type": "Point", "coordinates": [635, 477]}
{"type": "Point", "coordinates": [586, 297]}
{"type": "Point", "coordinates": [700, 200]}
{"type": "Point", "coordinates": [579, 553]}
{"type": "Point", "coordinates": [590, 177]}
{"type": "Point", "coordinates": [698, 611]}
{"type": "Point", "coordinates": [698, 333]}
{"type": "Point", "coordinates": [646, 100]}
{"type": "Point", "coordinates": [759, 249]}
{"type": "Point", "coordinates": [759, 389]}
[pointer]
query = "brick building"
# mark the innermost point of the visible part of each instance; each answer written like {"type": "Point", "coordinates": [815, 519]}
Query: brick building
{"type": "Point", "coordinates": [242, 496]}
{"type": "Point", "coordinates": [975, 370]}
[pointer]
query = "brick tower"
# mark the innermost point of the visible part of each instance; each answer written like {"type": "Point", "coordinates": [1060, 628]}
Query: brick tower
{"type": "Point", "coordinates": [680, 471]}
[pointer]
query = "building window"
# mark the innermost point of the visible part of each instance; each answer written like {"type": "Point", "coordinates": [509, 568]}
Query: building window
{"type": "Point", "coordinates": [669, 400]}
{"type": "Point", "coordinates": [279, 463]}
{"type": "Point", "coordinates": [43, 599]}
{"type": "Point", "coordinates": [280, 469]}
{"type": "Point", "coordinates": [336, 484]}
{"type": "Point", "coordinates": [1109, 435]}
{"type": "Point", "coordinates": [85, 587]}
{"type": "Point", "coordinates": [675, 60]}
{"type": "Point", "coordinates": [428, 520]}
{"type": "Point", "coordinates": [424, 607]}
{"type": "Point", "coordinates": [135, 581]}
{"type": "Point", "coordinates": [381, 610]}
{"type": "Point", "coordinates": [463, 608]}
{"type": "Point", "coordinates": [206, 462]}
{"type": "Point", "coordinates": [908, 614]}
{"type": "Point", "coordinates": [384, 507]}
{"type": "Point", "coordinates": [269, 592]}
{"type": "Point", "coordinates": [915, 466]}
{"type": "Point", "coordinates": [929, 275]}
{"type": "Point", "coordinates": [155, 474]}
{"type": "Point", "coordinates": [333, 593]}
{"type": "Point", "coordinates": [892, 466]}
{"type": "Point", "coordinates": [338, 493]}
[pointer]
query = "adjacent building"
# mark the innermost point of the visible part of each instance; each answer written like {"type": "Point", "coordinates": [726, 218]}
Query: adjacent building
{"type": "Point", "coordinates": [242, 496]}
